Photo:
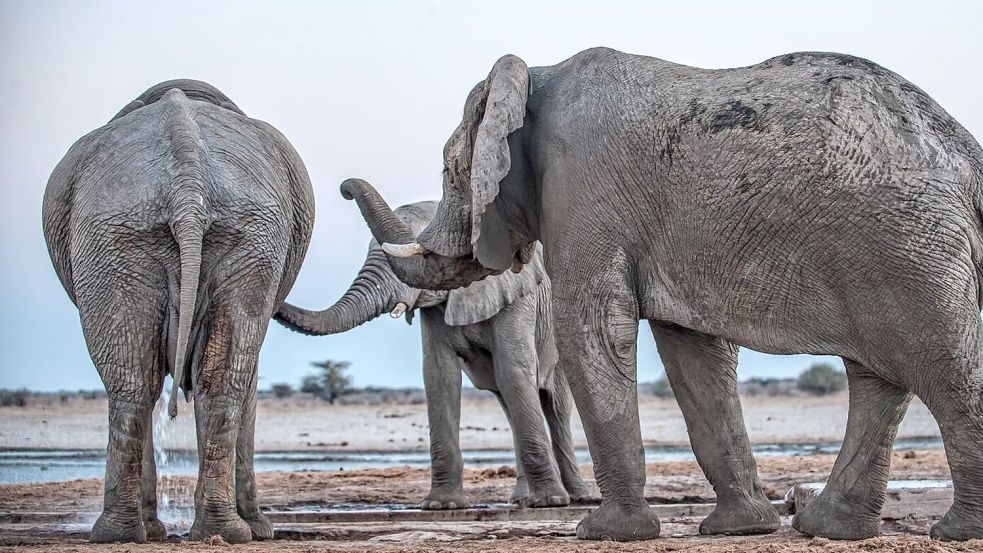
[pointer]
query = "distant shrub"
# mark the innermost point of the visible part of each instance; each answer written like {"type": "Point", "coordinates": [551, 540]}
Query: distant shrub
{"type": "Point", "coordinates": [282, 390]}
{"type": "Point", "coordinates": [768, 387]}
{"type": "Point", "coordinates": [14, 398]}
{"type": "Point", "coordinates": [659, 388]}
{"type": "Point", "coordinates": [821, 379]}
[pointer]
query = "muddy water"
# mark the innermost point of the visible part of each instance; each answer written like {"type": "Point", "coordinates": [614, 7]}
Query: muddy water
{"type": "Point", "coordinates": [25, 466]}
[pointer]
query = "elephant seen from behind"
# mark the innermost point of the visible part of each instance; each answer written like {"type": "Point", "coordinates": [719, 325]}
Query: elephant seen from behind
{"type": "Point", "coordinates": [177, 229]}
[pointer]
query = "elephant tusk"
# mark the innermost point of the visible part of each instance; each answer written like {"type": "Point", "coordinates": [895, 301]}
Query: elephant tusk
{"type": "Point", "coordinates": [398, 311]}
{"type": "Point", "coordinates": [404, 250]}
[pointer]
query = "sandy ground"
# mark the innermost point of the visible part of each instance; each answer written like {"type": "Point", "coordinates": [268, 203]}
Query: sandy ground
{"type": "Point", "coordinates": [293, 425]}
{"type": "Point", "coordinates": [300, 424]}
{"type": "Point", "coordinates": [667, 482]}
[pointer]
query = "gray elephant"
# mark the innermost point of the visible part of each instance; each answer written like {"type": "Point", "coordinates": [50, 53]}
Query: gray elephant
{"type": "Point", "coordinates": [177, 229]}
{"type": "Point", "coordinates": [812, 203]}
{"type": "Point", "coordinates": [499, 331]}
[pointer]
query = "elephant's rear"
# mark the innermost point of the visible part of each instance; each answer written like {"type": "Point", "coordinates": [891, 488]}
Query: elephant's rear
{"type": "Point", "coordinates": [177, 229]}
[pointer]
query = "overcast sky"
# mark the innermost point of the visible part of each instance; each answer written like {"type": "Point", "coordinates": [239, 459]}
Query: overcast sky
{"type": "Point", "coordinates": [372, 89]}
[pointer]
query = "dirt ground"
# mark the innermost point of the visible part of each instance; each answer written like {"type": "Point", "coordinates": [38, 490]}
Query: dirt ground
{"type": "Point", "coordinates": [299, 425]}
{"type": "Point", "coordinates": [671, 482]}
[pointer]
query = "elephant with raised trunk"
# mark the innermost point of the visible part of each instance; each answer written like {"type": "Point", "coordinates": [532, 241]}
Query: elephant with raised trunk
{"type": "Point", "coordinates": [177, 229]}
{"type": "Point", "coordinates": [812, 203]}
{"type": "Point", "coordinates": [498, 331]}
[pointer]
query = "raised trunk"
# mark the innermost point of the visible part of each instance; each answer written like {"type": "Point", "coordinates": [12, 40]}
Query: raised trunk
{"type": "Point", "coordinates": [430, 271]}
{"type": "Point", "coordinates": [373, 292]}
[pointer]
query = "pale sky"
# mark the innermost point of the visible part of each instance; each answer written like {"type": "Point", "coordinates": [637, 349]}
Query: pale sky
{"type": "Point", "coordinates": [372, 89]}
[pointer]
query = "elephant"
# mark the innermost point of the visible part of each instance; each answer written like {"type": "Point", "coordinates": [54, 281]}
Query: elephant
{"type": "Point", "coordinates": [177, 229]}
{"type": "Point", "coordinates": [811, 203]}
{"type": "Point", "coordinates": [499, 332]}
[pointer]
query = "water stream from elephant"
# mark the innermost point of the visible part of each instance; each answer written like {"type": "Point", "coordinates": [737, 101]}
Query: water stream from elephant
{"type": "Point", "coordinates": [174, 504]}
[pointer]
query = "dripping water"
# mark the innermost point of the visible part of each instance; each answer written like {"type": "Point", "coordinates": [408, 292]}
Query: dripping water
{"type": "Point", "coordinates": [175, 494]}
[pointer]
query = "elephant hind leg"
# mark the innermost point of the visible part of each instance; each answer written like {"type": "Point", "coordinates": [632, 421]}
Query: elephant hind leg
{"type": "Point", "coordinates": [849, 507]}
{"type": "Point", "coordinates": [247, 503]}
{"type": "Point", "coordinates": [124, 338]}
{"type": "Point", "coordinates": [224, 392]}
{"type": "Point", "coordinates": [702, 370]}
{"type": "Point", "coordinates": [557, 406]}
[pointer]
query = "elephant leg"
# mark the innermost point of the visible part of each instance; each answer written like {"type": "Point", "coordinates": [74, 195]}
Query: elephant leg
{"type": "Point", "coordinates": [521, 491]}
{"type": "Point", "coordinates": [849, 507]}
{"type": "Point", "coordinates": [557, 406]}
{"type": "Point", "coordinates": [953, 392]}
{"type": "Point", "coordinates": [247, 504]}
{"type": "Point", "coordinates": [442, 382]}
{"type": "Point", "coordinates": [222, 396]}
{"type": "Point", "coordinates": [596, 341]}
{"type": "Point", "coordinates": [703, 372]}
{"type": "Point", "coordinates": [521, 399]}
{"type": "Point", "coordinates": [123, 333]}
{"type": "Point", "coordinates": [156, 531]}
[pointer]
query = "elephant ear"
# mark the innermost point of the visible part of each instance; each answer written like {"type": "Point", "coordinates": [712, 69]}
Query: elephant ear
{"type": "Point", "coordinates": [491, 159]}
{"type": "Point", "coordinates": [483, 299]}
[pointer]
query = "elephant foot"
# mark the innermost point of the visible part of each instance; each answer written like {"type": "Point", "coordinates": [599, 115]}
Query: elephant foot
{"type": "Point", "coordinates": [551, 494]}
{"type": "Point", "coordinates": [619, 523]}
{"type": "Point", "coordinates": [260, 525]}
{"type": "Point", "coordinates": [156, 531]}
{"type": "Point", "coordinates": [234, 530]}
{"type": "Point", "coordinates": [957, 525]}
{"type": "Point", "coordinates": [438, 501]}
{"type": "Point", "coordinates": [115, 529]}
{"type": "Point", "coordinates": [580, 496]}
{"type": "Point", "coordinates": [741, 518]}
{"type": "Point", "coordinates": [836, 519]}
{"type": "Point", "coordinates": [521, 491]}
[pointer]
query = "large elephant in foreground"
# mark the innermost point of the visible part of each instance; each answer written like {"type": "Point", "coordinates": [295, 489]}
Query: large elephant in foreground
{"type": "Point", "coordinates": [812, 203]}
{"type": "Point", "coordinates": [178, 229]}
{"type": "Point", "coordinates": [499, 331]}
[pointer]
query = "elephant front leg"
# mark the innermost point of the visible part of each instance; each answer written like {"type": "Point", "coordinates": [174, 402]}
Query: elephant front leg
{"type": "Point", "coordinates": [156, 531]}
{"type": "Point", "coordinates": [442, 380]}
{"type": "Point", "coordinates": [596, 342]}
{"type": "Point", "coordinates": [703, 372]}
{"type": "Point", "coordinates": [521, 490]}
{"type": "Point", "coordinates": [537, 482]}
{"type": "Point", "coordinates": [557, 406]}
{"type": "Point", "coordinates": [247, 503]}
{"type": "Point", "coordinates": [849, 507]}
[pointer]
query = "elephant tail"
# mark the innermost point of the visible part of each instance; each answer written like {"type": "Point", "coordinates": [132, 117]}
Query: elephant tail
{"type": "Point", "coordinates": [188, 221]}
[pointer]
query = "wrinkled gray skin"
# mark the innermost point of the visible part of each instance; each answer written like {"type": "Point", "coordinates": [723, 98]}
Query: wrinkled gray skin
{"type": "Point", "coordinates": [813, 203]}
{"type": "Point", "coordinates": [500, 332]}
{"type": "Point", "coordinates": [177, 229]}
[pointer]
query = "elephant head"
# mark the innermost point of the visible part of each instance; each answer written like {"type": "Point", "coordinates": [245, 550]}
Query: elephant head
{"type": "Point", "coordinates": [377, 290]}
{"type": "Point", "coordinates": [486, 221]}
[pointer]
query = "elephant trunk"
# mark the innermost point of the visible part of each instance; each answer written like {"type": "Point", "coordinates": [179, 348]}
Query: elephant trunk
{"type": "Point", "coordinates": [411, 262]}
{"type": "Point", "coordinates": [386, 227]}
{"type": "Point", "coordinates": [371, 294]}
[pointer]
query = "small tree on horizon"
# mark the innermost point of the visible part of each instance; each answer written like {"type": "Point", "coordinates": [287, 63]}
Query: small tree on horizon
{"type": "Point", "coordinates": [282, 390]}
{"type": "Point", "coordinates": [822, 379]}
{"type": "Point", "coordinates": [330, 382]}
